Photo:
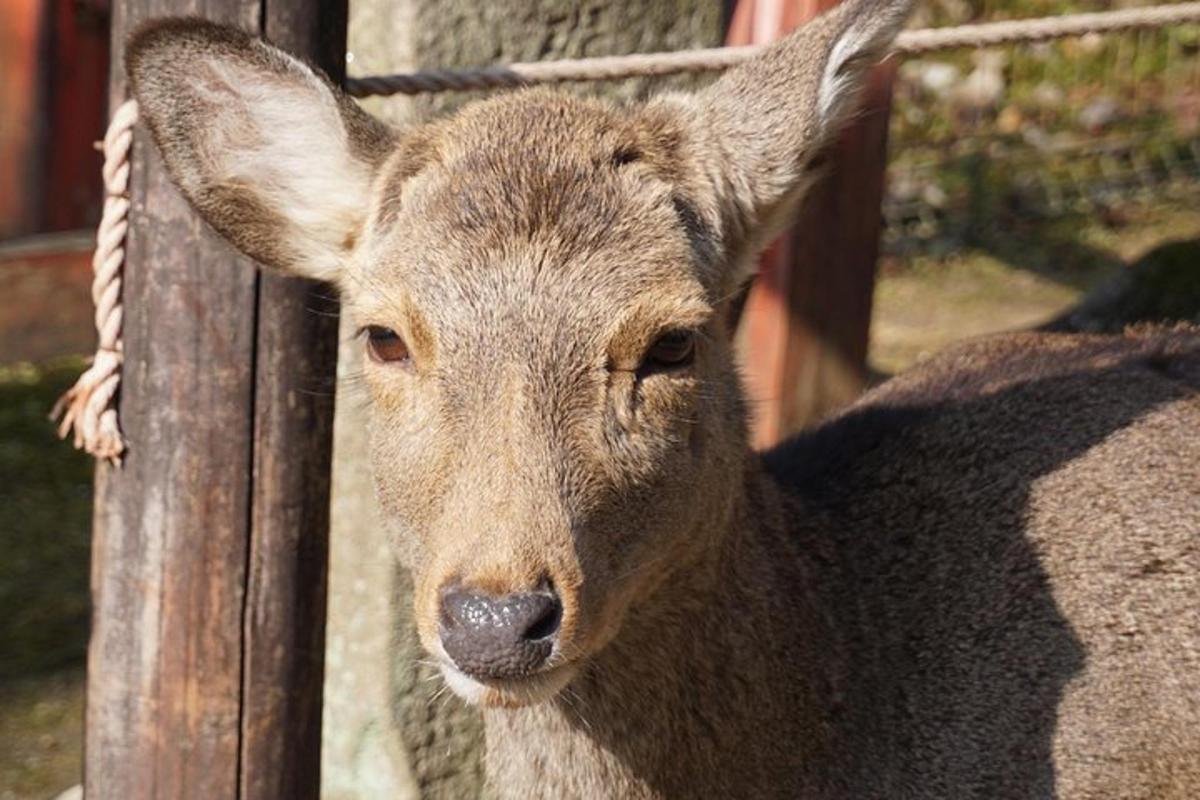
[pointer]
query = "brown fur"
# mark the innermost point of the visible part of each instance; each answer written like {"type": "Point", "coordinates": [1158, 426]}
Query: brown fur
{"type": "Point", "coordinates": [982, 581]}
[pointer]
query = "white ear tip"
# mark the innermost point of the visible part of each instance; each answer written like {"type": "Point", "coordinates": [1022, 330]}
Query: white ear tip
{"type": "Point", "coordinates": [868, 28]}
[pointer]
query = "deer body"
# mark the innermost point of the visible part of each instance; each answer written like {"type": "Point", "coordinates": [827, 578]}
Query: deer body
{"type": "Point", "coordinates": [981, 581]}
{"type": "Point", "coordinates": [904, 608]}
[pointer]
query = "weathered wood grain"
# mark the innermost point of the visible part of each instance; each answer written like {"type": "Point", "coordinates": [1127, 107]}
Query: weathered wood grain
{"type": "Point", "coordinates": [289, 546]}
{"type": "Point", "coordinates": [209, 557]}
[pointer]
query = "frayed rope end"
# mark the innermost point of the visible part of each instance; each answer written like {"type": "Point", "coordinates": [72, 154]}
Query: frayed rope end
{"type": "Point", "coordinates": [87, 411]}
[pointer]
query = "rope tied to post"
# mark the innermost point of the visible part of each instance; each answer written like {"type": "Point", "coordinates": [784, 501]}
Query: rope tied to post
{"type": "Point", "coordinates": [89, 408]}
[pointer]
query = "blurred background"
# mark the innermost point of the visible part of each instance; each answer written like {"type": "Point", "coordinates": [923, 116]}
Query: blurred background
{"type": "Point", "coordinates": [1049, 185]}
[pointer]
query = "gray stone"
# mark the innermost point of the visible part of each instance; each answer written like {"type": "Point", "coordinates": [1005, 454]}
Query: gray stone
{"type": "Point", "coordinates": [363, 754]}
{"type": "Point", "coordinates": [1099, 114]}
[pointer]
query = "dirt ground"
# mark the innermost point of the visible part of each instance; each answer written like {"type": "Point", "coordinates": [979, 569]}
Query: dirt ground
{"type": "Point", "coordinates": [924, 303]}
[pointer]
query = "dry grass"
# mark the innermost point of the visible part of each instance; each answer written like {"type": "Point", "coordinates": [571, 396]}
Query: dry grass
{"type": "Point", "coordinates": [925, 303]}
{"type": "Point", "coordinates": [41, 735]}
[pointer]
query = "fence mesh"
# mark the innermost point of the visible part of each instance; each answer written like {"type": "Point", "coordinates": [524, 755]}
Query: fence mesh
{"type": "Point", "coordinates": [989, 139]}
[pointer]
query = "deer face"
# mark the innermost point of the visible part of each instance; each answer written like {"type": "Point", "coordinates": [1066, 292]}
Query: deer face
{"type": "Point", "coordinates": [543, 285]}
{"type": "Point", "coordinates": [563, 390]}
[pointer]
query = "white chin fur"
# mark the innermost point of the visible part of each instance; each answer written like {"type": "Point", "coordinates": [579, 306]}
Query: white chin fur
{"type": "Point", "coordinates": [467, 688]}
{"type": "Point", "coordinates": [529, 691]}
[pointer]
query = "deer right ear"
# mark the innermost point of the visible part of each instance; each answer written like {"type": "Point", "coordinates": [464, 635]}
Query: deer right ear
{"type": "Point", "coordinates": [271, 155]}
{"type": "Point", "coordinates": [751, 136]}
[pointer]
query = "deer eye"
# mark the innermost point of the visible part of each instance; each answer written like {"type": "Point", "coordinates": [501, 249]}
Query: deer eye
{"type": "Point", "coordinates": [673, 349]}
{"type": "Point", "coordinates": [385, 345]}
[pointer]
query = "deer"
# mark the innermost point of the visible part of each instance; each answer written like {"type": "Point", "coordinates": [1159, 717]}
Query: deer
{"type": "Point", "coordinates": [981, 580]}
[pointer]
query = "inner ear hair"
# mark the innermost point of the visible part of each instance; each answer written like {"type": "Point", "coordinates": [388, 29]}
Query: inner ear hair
{"type": "Point", "coordinates": [269, 152]}
{"type": "Point", "coordinates": [750, 142]}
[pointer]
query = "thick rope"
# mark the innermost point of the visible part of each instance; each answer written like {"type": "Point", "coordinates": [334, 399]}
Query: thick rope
{"type": "Point", "coordinates": [90, 406]}
{"type": "Point", "coordinates": [719, 58]}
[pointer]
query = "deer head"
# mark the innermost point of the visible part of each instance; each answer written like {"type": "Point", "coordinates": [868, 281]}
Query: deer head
{"type": "Point", "coordinates": [543, 286]}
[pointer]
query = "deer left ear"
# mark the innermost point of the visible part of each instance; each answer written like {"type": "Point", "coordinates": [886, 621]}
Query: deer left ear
{"type": "Point", "coordinates": [270, 153]}
{"type": "Point", "coordinates": [748, 139]}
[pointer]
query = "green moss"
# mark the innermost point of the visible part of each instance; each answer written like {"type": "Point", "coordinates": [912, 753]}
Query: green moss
{"type": "Point", "coordinates": [41, 735]}
{"type": "Point", "coordinates": [45, 513]}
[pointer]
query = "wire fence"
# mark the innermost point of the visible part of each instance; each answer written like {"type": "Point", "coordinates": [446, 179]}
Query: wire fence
{"type": "Point", "coordinates": [986, 138]}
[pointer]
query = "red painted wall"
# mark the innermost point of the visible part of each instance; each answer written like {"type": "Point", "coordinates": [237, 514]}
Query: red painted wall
{"type": "Point", "coordinates": [53, 79]}
{"type": "Point", "coordinates": [21, 34]}
{"type": "Point", "coordinates": [805, 324]}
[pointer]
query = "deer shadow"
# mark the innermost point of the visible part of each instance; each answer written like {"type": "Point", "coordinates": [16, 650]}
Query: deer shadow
{"type": "Point", "coordinates": [960, 651]}
{"type": "Point", "coordinates": [950, 651]}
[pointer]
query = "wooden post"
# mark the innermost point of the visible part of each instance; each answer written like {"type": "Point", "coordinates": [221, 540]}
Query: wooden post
{"type": "Point", "coordinates": [806, 322]}
{"type": "Point", "coordinates": [210, 543]}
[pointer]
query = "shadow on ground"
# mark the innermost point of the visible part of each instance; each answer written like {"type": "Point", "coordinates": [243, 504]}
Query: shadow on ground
{"type": "Point", "coordinates": [1162, 286]}
{"type": "Point", "coordinates": [45, 514]}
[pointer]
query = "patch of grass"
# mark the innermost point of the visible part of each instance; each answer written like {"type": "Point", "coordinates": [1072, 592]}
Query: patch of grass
{"type": "Point", "coordinates": [41, 735]}
{"type": "Point", "coordinates": [1035, 134]}
{"type": "Point", "coordinates": [1163, 286]}
{"type": "Point", "coordinates": [45, 526]}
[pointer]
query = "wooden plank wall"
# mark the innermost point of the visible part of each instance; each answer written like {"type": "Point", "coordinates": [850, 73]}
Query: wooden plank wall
{"type": "Point", "coordinates": [210, 543]}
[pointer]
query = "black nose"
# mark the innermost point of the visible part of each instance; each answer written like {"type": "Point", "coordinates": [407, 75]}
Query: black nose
{"type": "Point", "coordinates": [499, 637]}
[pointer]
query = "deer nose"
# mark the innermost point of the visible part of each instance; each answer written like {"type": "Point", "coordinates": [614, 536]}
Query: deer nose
{"type": "Point", "coordinates": [499, 637]}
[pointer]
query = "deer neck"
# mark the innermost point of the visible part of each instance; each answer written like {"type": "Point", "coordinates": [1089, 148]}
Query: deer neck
{"type": "Point", "coordinates": [687, 687]}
